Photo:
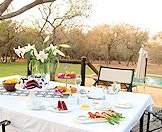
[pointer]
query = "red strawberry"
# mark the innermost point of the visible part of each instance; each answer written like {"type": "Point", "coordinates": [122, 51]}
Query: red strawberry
{"type": "Point", "coordinates": [64, 106]}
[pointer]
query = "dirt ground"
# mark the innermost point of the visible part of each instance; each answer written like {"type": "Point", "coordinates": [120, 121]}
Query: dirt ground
{"type": "Point", "coordinates": [151, 68]}
{"type": "Point", "coordinates": [156, 93]}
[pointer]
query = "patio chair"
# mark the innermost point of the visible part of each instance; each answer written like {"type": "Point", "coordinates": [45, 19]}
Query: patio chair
{"type": "Point", "coordinates": [4, 123]}
{"type": "Point", "coordinates": [157, 117]}
{"type": "Point", "coordinates": [108, 75]}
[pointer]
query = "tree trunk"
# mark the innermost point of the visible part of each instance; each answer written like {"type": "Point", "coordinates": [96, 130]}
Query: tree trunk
{"type": "Point", "coordinates": [130, 58]}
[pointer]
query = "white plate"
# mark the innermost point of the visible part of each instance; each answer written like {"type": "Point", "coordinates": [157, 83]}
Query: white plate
{"type": "Point", "coordinates": [100, 107]}
{"type": "Point", "coordinates": [124, 106]}
{"type": "Point", "coordinates": [82, 117]}
{"type": "Point", "coordinates": [54, 109]}
{"type": "Point", "coordinates": [37, 108]}
{"type": "Point", "coordinates": [35, 89]}
{"type": "Point", "coordinates": [91, 96]}
{"type": "Point", "coordinates": [89, 120]}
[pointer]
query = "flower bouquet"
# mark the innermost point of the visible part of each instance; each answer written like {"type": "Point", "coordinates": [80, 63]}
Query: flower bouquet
{"type": "Point", "coordinates": [43, 61]}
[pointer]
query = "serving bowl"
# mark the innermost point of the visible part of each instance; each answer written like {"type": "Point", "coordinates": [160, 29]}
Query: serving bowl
{"type": "Point", "coordinates": [9, 86]}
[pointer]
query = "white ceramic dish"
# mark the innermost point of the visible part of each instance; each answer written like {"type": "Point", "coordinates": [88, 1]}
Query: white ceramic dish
{"type": "Point", "coordinates": [91, 96]}
{"type": "Point", "coordinates": [89, 120]}
{"type": "Point", "coordinates": [37, 108]}
{"type": "Point", "coordinates": [35, 89]}
{"type": "Point", "coordinates": [101, 107]}
{"type": "Point", "coordinates": [82, 117]}
{"type": "Point", "coordinates": [125, 106]}
{"type": "Point", "coordinates": [55, 109]}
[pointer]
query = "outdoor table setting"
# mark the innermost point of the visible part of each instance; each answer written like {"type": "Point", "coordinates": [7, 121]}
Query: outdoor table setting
{"type": "Point", "coordinates": [89, 109]}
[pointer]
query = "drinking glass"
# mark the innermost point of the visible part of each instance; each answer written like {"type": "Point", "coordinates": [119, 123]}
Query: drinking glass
{"type": "Point", "coordinates": [78, 82]}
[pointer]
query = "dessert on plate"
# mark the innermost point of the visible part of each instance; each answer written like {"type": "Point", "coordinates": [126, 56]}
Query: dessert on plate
{"type": "Point", "coordinates": [31, 82]}
{"type": "Point", "coordinates": [61, 106]}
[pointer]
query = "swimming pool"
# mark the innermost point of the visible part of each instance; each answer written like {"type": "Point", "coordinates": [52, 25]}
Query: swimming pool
{"type": "Point", "coordinates": [151, 80]}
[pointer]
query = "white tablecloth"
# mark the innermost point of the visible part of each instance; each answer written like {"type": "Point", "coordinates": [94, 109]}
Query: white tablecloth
{"type": "Point", "coordinates": [15, 109]}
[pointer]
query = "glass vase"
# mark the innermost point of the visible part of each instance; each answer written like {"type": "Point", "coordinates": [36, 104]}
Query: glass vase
{"type": "Point", "coordinates": [43, 70]}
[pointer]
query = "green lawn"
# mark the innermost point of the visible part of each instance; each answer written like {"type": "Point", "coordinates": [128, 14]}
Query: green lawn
{"type": "Point", "coordinates": [18, 68]}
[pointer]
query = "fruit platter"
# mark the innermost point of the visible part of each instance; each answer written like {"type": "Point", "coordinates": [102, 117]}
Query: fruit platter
{"type": "Point", "coordinates": [63, 90]}
{"type": "Point", "coordinates": [66, 75]}
{"type": "Point", "coordinates": [60, 108]}
{"type": "Point", "coordinates": [109, 116]}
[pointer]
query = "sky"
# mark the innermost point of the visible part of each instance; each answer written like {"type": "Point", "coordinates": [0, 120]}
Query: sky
{"type": "Point", "coordinates": [146, 14]}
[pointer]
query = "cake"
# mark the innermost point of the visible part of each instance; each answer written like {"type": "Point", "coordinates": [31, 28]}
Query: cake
{"type": "Point", "coordinates": [31, 84]}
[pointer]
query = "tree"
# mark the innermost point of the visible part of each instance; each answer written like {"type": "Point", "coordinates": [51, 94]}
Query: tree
{"type": "Point", "coordinates": [59, 18]}
{"type": "Point", "coordinates": [155, 48]}
{"type": "Point", "coordinates": [8, 37]}
{"type": "Point", "coordinates": [6, 3]}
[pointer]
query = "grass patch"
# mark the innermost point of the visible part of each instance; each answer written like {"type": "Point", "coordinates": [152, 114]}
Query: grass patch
{"type": "Point", "coordinates": [20, 68]}
{"type": "Point", "coordinates": [15, 68]}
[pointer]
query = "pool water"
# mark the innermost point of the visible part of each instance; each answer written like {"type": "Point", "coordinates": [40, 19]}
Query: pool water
{"type": "Point", "coordinates": [151, 80]}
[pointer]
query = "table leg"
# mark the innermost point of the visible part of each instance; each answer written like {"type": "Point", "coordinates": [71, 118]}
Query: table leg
{"type": "Point", "coordinates": [148, 122]}
{"type": "Point", "coordinates": [141, 123]}
{"type": "Point", "coordinates": [3, 127]}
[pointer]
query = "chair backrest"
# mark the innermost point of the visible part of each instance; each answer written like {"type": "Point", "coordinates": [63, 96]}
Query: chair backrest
{"type": "Point", "coordinates": [120, 75]}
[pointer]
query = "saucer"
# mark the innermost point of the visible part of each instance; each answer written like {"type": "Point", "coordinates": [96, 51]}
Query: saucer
{"type": "Point", "coordinates": [82, 117]}
{"type": "Point", "coordinates": [101, 107]}
{"type": "Point", "coordinates": [37, 107]}
{"type": "Point", "coordinates": [56, 110]}
{"type": "Point", "coordinates": [126, 104]}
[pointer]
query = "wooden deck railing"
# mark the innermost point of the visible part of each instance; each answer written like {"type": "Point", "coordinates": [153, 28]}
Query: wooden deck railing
{"type": "Point", "coordinates": [84, 61]}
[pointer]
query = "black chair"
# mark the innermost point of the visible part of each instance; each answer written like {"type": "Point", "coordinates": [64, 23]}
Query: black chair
{"type": "Point", "coordinates": [4, 123]}
{"type": "Point", "coordinates": [108, 75]}
{"type": "Point", "coordinates": [157, 115]}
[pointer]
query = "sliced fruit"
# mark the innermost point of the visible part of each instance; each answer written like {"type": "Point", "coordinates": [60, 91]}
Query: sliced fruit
{"type": "Point", "coordinates": [73, 90]}
{"type": "Point", "coordinates": [15, 80]}
{"type": "Point", "coordinates": [8, 81]}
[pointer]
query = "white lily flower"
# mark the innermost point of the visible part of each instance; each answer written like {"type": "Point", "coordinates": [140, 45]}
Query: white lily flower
{"type": "Point", "coordinates": [58, 52]}
{"type": "Point", "coordinates": [18, 51]}
{"type": "Point", "coordinates": [46, 39]}
{"type": "Point", "coordinates": [51, 47]}
{"type": "Point", "coordinates": [42, 56]}
{"type": "Point", "coordinates": [35, 52]}
{"type": "Point", "coordinates": [29, 47]}
{"type": "Point", "coordinates": [23, 51]}
{"type": "Point", "coordinates": [64, 45]}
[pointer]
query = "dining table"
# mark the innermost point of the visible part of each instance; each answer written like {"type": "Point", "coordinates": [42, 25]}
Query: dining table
{"type": "Point", "coordinates": [14, 106]}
